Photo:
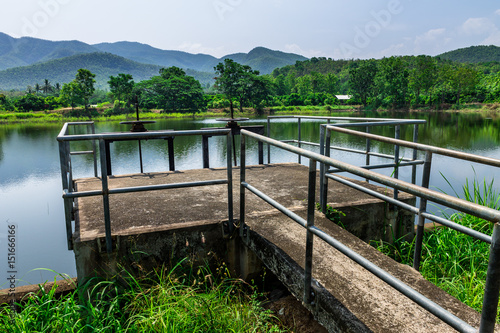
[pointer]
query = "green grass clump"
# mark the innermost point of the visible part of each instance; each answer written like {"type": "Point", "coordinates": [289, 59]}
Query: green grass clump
{"type": "Point", "coordinates": [454, 262]}
{"type": "Point", "coordinates": [175, 300]}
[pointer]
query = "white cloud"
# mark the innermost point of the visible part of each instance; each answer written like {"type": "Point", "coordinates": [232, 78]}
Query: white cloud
{"type": "Point", "coordinates": [497, 12]}
{"type": "Point", "coordinates": [478, 26]}
{"type": "Point", "coordinates": [431, 41]}
{"type": "Point", "coordinates": [492, 39]}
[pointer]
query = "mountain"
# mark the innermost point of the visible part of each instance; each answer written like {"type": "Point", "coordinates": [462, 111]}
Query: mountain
{"type": "Point", "coordinates": [102, 64]}
{"type": "Point", "coordinates": [473, 54]}
{"type": "Point", "coordinates": [150, 55]}
{"type": "Point", "coordinates": [25, 51]}
{"type": "Point", "coordinates": [15, 52]}
{"type": "Point", "coordinates": [64, 70]}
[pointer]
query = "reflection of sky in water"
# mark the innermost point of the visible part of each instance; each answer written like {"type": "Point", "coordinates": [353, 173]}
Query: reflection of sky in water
{"type": "Point", "coordinates": [30, 185]}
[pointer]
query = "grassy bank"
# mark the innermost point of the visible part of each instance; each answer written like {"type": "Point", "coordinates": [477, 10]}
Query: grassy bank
{"type": "Point", "coordinates": [101, 114]}
{"type": "Point", "coordinates": [181, 299]}
{"type": "Point", "coordinates": [454, 262]}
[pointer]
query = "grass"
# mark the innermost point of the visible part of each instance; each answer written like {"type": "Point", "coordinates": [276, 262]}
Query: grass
{"type": "Point", "coordinates": [454, 262]}
{"type": "Point", "coordinates": [167, 300]}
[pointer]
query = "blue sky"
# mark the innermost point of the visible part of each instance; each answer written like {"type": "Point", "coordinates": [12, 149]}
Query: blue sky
{"type": "Point", "coordinates": [322, 28]}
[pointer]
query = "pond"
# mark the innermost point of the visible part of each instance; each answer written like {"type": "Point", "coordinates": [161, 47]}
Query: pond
{"type": "Point", "coordinates": [30, 180]}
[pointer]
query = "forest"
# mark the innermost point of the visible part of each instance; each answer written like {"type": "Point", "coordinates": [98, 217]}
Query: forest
{"type": "Point", "coordinates": [397, 82]}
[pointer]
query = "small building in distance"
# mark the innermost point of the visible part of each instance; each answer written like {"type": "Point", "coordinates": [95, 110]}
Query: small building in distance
{"type": "Point", "coordinates": [343, 98]}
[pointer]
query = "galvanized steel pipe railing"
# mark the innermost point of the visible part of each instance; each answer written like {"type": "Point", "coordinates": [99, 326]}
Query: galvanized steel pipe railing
{"type": "Point", "coordinates": [490, 302]}
{"type": "Point", "coordinates": [69, 194]}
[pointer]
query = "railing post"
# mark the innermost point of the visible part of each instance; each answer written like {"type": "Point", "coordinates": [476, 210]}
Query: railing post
{"type": "Point", "coordinates": [299, 144]}
{"type": "Point", "coordinates": [397, 136]}
{"type": "Point", "coordinates": [242, 188]}
{"type": "Point", "coordinates": [492, 288]}
{"type": "Point", "coordinates": [229, 145]}
{"type": "Point", "coordinates": [311, 207]}
{"type": "Point", "coordinates": [417, 255]}
{"type": "Point", "coordinates": [94, 149]}
{"type": "Point", "coordinates": [368, 149]}
{"type": "Point", "coordinates": [105, 194]}
{"type": "Point", "coordinates": [322, 167]}
{"type": "Point", "coordinates": [268, 145]}
{"type": "Point", "coordinates": [415, 155]}
{"type": "Point", "coordinates": [205, 152]}
{"type": "Point", "coordinates": [324, 179]}
{"type": "Point", "coordinates": [171, 154]}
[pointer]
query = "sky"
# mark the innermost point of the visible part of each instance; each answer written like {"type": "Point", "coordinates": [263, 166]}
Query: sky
{"type": "Point", "coordinates": [315, 28]}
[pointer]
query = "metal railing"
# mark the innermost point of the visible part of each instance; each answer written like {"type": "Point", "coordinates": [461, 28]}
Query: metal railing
{"type": "Point", "coordinates": [69, 193]}
{"type": "Point", "coordinates": [490, 302]}
{"type": "Point", "coordinates": [367, 124]}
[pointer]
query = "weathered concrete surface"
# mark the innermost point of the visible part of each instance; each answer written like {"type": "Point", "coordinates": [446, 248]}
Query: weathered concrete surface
{"type": "Point", "coordinates": [348, 297]}
{"type": "Point", "coordinates": [134, 213]}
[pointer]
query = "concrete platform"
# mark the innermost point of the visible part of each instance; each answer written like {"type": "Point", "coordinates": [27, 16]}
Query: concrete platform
{"type": "Point", "coordinates": [140, 212]}
{"type": "Point", "coordinates": [349, 298]}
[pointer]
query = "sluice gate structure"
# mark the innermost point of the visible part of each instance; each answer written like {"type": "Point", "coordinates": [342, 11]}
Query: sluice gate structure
{"type": "Point", "coordinates": [267, 215]}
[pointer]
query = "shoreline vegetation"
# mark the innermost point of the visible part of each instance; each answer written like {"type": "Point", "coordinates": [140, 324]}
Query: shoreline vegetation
{"type": "Point", "coordinates": [101, 113]}
{"type": "Point", "coordinates": [184, 298]}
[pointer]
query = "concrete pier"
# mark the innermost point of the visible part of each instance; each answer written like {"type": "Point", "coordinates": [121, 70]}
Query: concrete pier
{"type": "Point", "coordinates": [149, 228]}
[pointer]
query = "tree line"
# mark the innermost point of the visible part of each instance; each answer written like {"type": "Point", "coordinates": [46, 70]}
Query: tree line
{"type": "Point", "coordinates": [392, 82]}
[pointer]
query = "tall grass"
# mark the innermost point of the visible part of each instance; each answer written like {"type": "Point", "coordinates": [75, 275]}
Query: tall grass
{"type": "Point", "coordinates": [455, 262]}
{"type": "Point", "coordinates": [166, 300]}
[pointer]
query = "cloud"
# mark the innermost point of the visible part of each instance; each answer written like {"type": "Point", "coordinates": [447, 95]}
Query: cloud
{"type": "Point", "coordinates": [431, 41]}
{"type": "Point", "coordinates": [478, 26]}
{"type": "Point", "coordinates": [497, 12]}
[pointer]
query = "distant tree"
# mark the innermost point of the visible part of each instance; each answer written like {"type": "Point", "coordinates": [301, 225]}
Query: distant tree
{"type": "Point", "coordinates": [462, 79]}
{"type": "Point", "coordinates": [362, 79]}
{"type": "Point", "coordinates": [172, 90]}
{"type": "Point", "coordinates": [71, 93]}
{"type": "Point", "coordinates": [47, 87]}
{"type": "Point", "coordinates": [393, 80]}
{"type": "Point", "coordinates": [85, 81]}
{"type": "Point", "coordinates": [232, 81]}
{"type": "Point", "coordinates": [422, 76]}
{"type": "Point", "coordinates": [37, 88]}
{"type": "Point", "coordinates": [122, 87]}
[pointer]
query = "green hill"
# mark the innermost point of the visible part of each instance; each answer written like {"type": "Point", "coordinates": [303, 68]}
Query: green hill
{"type": "Point", "coordinates": [64, 70]}
{"type": "Point", "coordinates": [473, 54]}
{"type": "Point", "coordinates": [15, 52]}
{"type": "Point", "coordinates": [102, 64]}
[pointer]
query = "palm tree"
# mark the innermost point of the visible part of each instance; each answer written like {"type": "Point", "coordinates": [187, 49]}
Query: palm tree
{"type": "Point", "coordinates": [37, 88]}
{"type": "Point", "coordinates": [47, 87]}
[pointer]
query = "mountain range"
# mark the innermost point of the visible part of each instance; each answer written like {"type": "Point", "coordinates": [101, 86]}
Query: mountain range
{"type": "Point", "coordinates": [26, 61]}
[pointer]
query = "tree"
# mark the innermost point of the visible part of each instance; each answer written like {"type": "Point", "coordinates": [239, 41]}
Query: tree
{"type": "Point", "coordinates": [232, 81]}
{"type": "Point", "coordinates": [71, 93]}
{"type": "Point", "coordinates": [393, 80]}
{"type": "Point", "coordinates": [462, 79]}
{"type": "Point", "coordinates": [122, 87]}
{"type": "Point", "coordinates": [47, 87]}
{"type": "Point", "coordinates": [422, 76]}
{"type": "Point", "coordinates": [362, 79]}
{"type": "Point", "coordinates": [85, 81]}
{"type": "Point", "coordinates": [173, 90]}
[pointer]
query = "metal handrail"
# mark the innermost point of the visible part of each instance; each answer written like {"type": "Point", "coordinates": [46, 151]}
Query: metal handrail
{"type": "Point", "coordinates": [367, 123]}
{"type": "Point", "coordinates": [493, 277]}
{"type": "Point", "coordinates": [69, 194]}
